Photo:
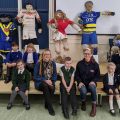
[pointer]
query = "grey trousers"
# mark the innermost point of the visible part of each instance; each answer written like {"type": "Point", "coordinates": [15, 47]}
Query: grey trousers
{"type": "Point", "coordinates": [22, 94]}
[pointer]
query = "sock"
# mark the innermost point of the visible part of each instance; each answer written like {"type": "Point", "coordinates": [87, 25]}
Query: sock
{"type": "Point", "coordinates": [111, 104]}
{"type": "Point", "coordinates": [118, 102]}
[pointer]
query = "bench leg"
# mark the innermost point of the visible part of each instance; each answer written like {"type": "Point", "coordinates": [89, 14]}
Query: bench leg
{"type": "Point", "coordinates": [97, 99]}
{"type": "Point", "coordinates": [101, 100]}
{"type": "Point", "coordinates": [60, 99]}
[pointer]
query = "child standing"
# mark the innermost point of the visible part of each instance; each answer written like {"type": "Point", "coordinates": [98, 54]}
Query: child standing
{"type": "Point", "coordinates": [30, 57]}
{"type": "Point", "coordinates": [68, 87]}
{"type": "Point", "coordinates": [21, 82]}
{"type": "Point", "coordinates": [11, 59]}
{"type": "Point", "coordinates": [111, 86]}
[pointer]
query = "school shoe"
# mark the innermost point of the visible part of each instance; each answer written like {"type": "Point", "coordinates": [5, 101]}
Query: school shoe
{"type": "Point", "coordinates": [51, 111]}
{"type": "Point", "coordinates": [9, 106]}
{"type": "Point", "coordinates": [74, 112]}
{"type": "Point", "coordinates": [112, 112]}
{"type": "Point", "coordinates": [93, 111]}
{"type": "Point", "coordinates": [28, 107]}
{"type": "Point", "coordinates": [7, 80]}
{"type": "Point", "coordinates": [66, 114]}
{"type": "Point", "coordinates": [83, 106]}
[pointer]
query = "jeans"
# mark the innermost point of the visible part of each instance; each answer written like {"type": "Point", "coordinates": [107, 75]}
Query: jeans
{"type": "Point", "coordinates": [88, 88]}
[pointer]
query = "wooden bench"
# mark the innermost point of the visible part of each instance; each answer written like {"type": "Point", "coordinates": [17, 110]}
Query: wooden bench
{"type": "Point", "coordinates": [6, 89]}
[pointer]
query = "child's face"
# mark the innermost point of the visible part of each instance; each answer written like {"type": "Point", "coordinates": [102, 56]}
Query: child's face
{"type": "Point", "coordinates": [20, 66]}
{"type": "Point", "coordinates": [15, 48]}
{"type": "Point", "coordinates": [29, 8]}
{"type": "Point", "coordinates": [111, 69]}
{"type": "Point", "coordinates": [89, 6]}
{"type": "Point", "coordinates": [29, 50]}
{"type": "Point", "coordinates": [68, 64]}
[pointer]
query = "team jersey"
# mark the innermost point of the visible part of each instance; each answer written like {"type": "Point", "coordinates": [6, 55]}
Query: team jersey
{"type": "Point", "coordinates": [28, 19]}
{"type": "Point", "coordinates": [61, 24]}
{"type": "Point", "coordinates": [89, 19]}
{"type": "Point", "coordinates": [5, 30]}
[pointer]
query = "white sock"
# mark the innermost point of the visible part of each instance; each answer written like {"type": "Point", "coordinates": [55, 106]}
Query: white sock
{"type": "Point", "coordinates": [111, 104]}
{"type": "Point", "coordinates": [118, 102]}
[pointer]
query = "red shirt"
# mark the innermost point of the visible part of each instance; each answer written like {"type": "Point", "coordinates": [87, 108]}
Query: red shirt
{"type": "Point", "coordinates": [61, 24]}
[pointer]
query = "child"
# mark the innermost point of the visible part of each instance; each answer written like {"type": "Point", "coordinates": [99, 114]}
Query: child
{"type": "Point", "coordinates": [68, 87]}
{"type": "Point", "coordinates": [115, 58]}
{"type": "Point", "coordinates": [111, 86]}
{"type": "Point", "coordinates": [21, 82]}
{"type": "Point", "coordinates": [1, 66]}
{"type": "Point", "coordinates": [30, 57]}
{"type": "Point", "coordinates": [11, 59]}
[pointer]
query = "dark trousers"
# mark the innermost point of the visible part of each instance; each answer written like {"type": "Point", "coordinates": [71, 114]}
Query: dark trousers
{"type": "Point", "coordinates": [65, 95]}
{"type": "Point", "coordinates": [21, 93]}
{"type": "Point", "coordinates": [1, 65]}
{"type": "Point", "coordinates": [30, 67]}
{"type": "Point", "coordinates": [9, 72]}
{"type": "Point", "coordinates": [88, 88]}
{"type": "Point", "coordinates": [1, 70]}
{"type": "Point", "coordinates": [48, 92]}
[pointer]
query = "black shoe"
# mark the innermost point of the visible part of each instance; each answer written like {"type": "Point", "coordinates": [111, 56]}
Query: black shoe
{"type": "Point", "coordinates": [119, 110]}
{"type": "Point", "coordinates": [28, 107]}
{"type": "Point", "coordinates": [83, 106]}
{"type": "Point", "coordinates": [112, 112]}
{"type": "Point", "coordinates": [66, 114]}
{"type": "Point", "coordinates": [9, 106]}
{"type": "Point", "coordinates": [7, 80]}
{"type": "Point", "coordinates": [74, 112]}
{"type": "Point", "coordinates": [51, 112]}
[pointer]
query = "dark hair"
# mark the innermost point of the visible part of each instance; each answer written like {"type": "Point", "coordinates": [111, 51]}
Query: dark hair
{"type": "Point", "coordinates": [14, 44]}
{"type": "Point", "coordinates": [68, 59]}
{"type": "Point", "coordinates": [88, 2]}
{"type": "Point", "coordinates": [20, 60]}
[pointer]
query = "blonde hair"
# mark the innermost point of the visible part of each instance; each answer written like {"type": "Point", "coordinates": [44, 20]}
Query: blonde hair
{"type": "Point", "coordinates": [115, 49]}
{"type": "Point", "coordinates": [111, 64]}
{"type": "Point", "coordinates": [41, 59]}
{"type": "Point", "coordinates": [30, 45]}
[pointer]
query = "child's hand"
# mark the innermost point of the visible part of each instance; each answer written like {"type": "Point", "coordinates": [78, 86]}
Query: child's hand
{"type": "Point", "coordinates": [68, 89]}
{"type": "Point", "coordinates": [26, 92]}
{"type": "Point", "coordinates": [16, 89]}
{"type": "Point", "coordinates": [13, 64]}
{"type": "Point", "coordinates": [8, 65]}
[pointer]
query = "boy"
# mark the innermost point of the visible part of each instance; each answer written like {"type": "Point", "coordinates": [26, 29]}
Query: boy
{"type": "Point", "coordinates": [68, 87]}
{"type": "Point", "coordinates": [11, 59]}
{"type": "Point", "coordinates": [21, 83]}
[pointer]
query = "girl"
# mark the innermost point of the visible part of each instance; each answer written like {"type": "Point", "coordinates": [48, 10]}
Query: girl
{"type": "Point", "coordinates": [111, 86]}
{"type": "Point", "coordinates": [30, 57]}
